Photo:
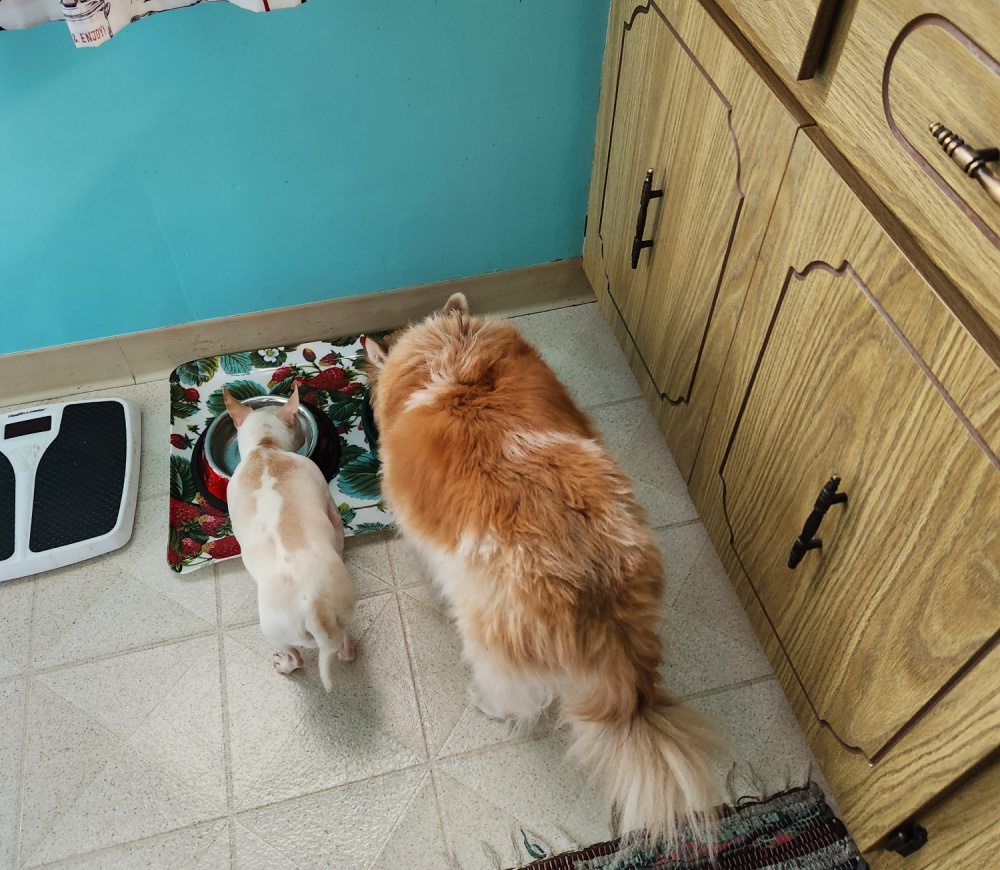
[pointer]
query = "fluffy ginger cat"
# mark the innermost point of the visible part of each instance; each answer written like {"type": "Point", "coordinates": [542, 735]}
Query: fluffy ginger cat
{"type": "Point", "coordinates": [532, 533]}
{"type": "Point", "coordinates": [292, 539]}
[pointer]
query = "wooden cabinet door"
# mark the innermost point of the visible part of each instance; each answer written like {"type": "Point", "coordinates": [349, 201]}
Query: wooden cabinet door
{"type": "Point", "coordinates": [679, 99]}
{"type": "Point", "coordinates": [846, 363]}
{"type": "Point", "coordinates": [901, 66]}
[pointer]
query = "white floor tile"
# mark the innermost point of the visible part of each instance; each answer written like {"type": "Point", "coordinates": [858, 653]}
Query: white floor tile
{"type": "Point", "coordinates": [252, 853]}
{"type": "Point", "coordinates": [763, 736]}
{"type": "Point", "coordinates": [535, 783]}
{"type": "Point", "coordinates": [367, 560]}
{"type": "Point", "coordinates": [128, 800]}
{"type": "Point", "coordinates": [202, 847]}
{"type": "Point", "coordinates": [100, 607]}
{"type": "Point", "coordinates": [66, 750]}
{"type": "Point", "coordinates": [11, 735]}
{"type": "Point", "coordinates": [708, 642]}
{"type": "Point", "coordinates": [417, 840]}
{"type": "Point", "coordinates": [340, 829]}
{"type": "Point", "coordinates": [290, 738]}
{"type": "Point", "coordinates": [631, 434]}
{"type": "Point", "coordinates": [145, 558]}
{"type": "Point", "coordinates": [440, 678]}
{"type": "Point", "coordinates": [481, 836]}
{"type": "Point", "coordinates": [238, 592]}
{"type": "Point", "coordinates": [159, 708]}
{"type": "Point", "coordinates": [681, 548]}
{"type": "Point", "coordinates": [581, 349]}
{"type": "Point", "coordinates": [407, 567]}
{"type": "Point", "coordinates": [15, 625]}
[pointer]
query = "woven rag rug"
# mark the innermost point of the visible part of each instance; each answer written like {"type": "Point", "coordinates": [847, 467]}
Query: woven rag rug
{"type": "Point", "coordinates": [795, 830]}
{"type": "Point", "coordinates": [331, 377]}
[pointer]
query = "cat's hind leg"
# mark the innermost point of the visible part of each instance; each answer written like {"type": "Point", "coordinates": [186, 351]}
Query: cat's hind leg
{"type": "Point", "coordinates": [504, 694]}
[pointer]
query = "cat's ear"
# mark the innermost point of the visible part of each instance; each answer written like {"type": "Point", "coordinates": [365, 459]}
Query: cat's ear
{"type": "Point", "coordinates": [237, 410]}
{"type": "Point", "coordinates": [375, 352]}
{"type": "Point", "coordinates": [289, 411]}
{"type": "Point", "coordinates": [457, 302]}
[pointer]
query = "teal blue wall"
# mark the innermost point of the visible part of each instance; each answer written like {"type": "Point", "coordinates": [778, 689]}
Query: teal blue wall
{"type": "Point", "coordinates": [209, 161]}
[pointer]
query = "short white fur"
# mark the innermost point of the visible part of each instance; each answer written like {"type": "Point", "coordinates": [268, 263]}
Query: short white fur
{"type": "Point", "coordinates": [292, 540]}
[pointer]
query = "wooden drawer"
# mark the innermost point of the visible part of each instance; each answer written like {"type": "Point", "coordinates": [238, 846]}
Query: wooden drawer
{"type": "Point", "coordinates": [962, 826]}
{"type": "Point", "coordinates": [680, 100]}
{"type": "Point", "coordinates": [795, 31]}
{"type": "Point", "coordinates": [905, 65]}
{"type": "Point", "coordinates": [845, 362]}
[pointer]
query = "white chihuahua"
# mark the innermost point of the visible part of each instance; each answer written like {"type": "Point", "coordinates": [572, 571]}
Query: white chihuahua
{"type": "Point", "coordinates": [292, 539]}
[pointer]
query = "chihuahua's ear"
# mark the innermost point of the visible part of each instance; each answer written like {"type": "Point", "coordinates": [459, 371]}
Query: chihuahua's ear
{"type": "Point", "coordinates": [457, 302]}
{"type": "Point", "coordinates": [375, 352]}
{"type": "Point", "coordinates": [237, 410]}
{"type": "Point", "coordinates": [289, 411]}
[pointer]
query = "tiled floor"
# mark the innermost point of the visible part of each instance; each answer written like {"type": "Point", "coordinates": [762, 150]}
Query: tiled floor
{"type": "Point", "coordinates": [142, 724]}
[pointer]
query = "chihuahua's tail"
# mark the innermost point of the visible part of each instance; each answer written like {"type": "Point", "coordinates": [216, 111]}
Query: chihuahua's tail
{"type": "Point", "coordinates": [330, 620]}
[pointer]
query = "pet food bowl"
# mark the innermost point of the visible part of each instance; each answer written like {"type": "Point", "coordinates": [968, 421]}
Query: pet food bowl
{"type": "Point", "coordinates": [217, 452]}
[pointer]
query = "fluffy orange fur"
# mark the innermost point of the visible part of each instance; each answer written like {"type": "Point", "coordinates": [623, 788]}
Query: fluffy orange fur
{"type": "Point", "coordinates": [554, 578]}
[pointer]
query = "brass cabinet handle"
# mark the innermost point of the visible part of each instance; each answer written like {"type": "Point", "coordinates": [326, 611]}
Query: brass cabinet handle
{"type": "Point", "coordinates": [969, 160]}
{"type": "Point", "coordinates": [828, 495]}
{"type": "Point", "coordinates": [640, 223]}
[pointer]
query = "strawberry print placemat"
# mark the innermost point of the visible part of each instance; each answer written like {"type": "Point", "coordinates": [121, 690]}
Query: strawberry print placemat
{"type": "Point", "coordinates": [331, 377]}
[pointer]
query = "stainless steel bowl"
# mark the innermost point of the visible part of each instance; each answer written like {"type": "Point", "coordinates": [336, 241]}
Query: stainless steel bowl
{"type": "Point", "coordinates": [222, 450]}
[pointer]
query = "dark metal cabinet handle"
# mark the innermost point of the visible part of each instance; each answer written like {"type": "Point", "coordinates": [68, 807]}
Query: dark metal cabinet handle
{"type": "Point", "coordinates": [971, 161]}
{"type": "Point", "coordinates": [828, 495]}
{"type": "Point", "coordinates": [640, 223]}
{"type": "Point", "coordinates": [906, 839]}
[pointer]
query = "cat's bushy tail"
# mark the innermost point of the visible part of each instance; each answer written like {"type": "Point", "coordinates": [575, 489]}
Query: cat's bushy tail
{"type": "Point", "coordinates": [653, 759]}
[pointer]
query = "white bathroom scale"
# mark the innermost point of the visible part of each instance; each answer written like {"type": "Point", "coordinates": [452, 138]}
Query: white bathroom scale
{"type": "Point", "coordinates": [69, 475]}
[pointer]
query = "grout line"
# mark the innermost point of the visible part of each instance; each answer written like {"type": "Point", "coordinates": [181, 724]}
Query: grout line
{"type": "Point", "coordinates": [248, 623]}
{"type": "Point", "coordinates": [613, 404]}
{"type": "Point", "coordinates": [332, 788]}
{"type": "Point", "coordinates": [528, 737]}
{"type": "Point", "coordinates": [21, 777]}
{"type": "Point", "coordinates": [224, 695]}
{"type": "Point", "coordinates": [413, 674]}
{"type": "Point", "coordinates": [105, 849]}
{"type": "Point", "coordinates": [448, 845]}
{"type": "Point", "coordinates": [708, 693]}
{"type": "Point", "coordinates": [103, 657]}
{"type": "Point", "coordinates": [677, 525]}
{"type": "Point", "coordinates": [556, 307]}
{"type": "Point", "coordinates": [399, 818]}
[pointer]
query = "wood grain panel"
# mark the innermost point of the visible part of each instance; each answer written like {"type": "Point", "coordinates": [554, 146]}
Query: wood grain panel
{"type": "Point", "coordinates": [847, 100]}
{"type": "Point", "coordinates": [937, 73]}
{"type": "Point", "coordinates": [818, 219]}
{"type": "Point", "coordinates": [796, 30]}
{"type": "Point", "coordinates": [961, 829]}
{"type": "Point", "coordinates": [889, 610]}
{"type": "Point", "coordinates": [641, 103]}
{"type": "Point", "coordinates": [691, 226]}
{"type": "Point", "coordinates": [722, 135]}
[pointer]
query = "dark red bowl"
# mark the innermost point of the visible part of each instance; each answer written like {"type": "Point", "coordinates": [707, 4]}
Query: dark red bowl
{"type": "Point", "coordinates": [213, 483]}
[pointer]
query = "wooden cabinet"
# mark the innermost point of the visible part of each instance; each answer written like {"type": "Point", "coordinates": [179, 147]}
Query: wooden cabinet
{"type": "Point", "coordinates": [680, 100]}
{"type": "Point", "coordinates": [889, 70]}
{"type": "Point", "coordinates": [846, 363]}
{"type": "Point", "coordinates": [819, 298]}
